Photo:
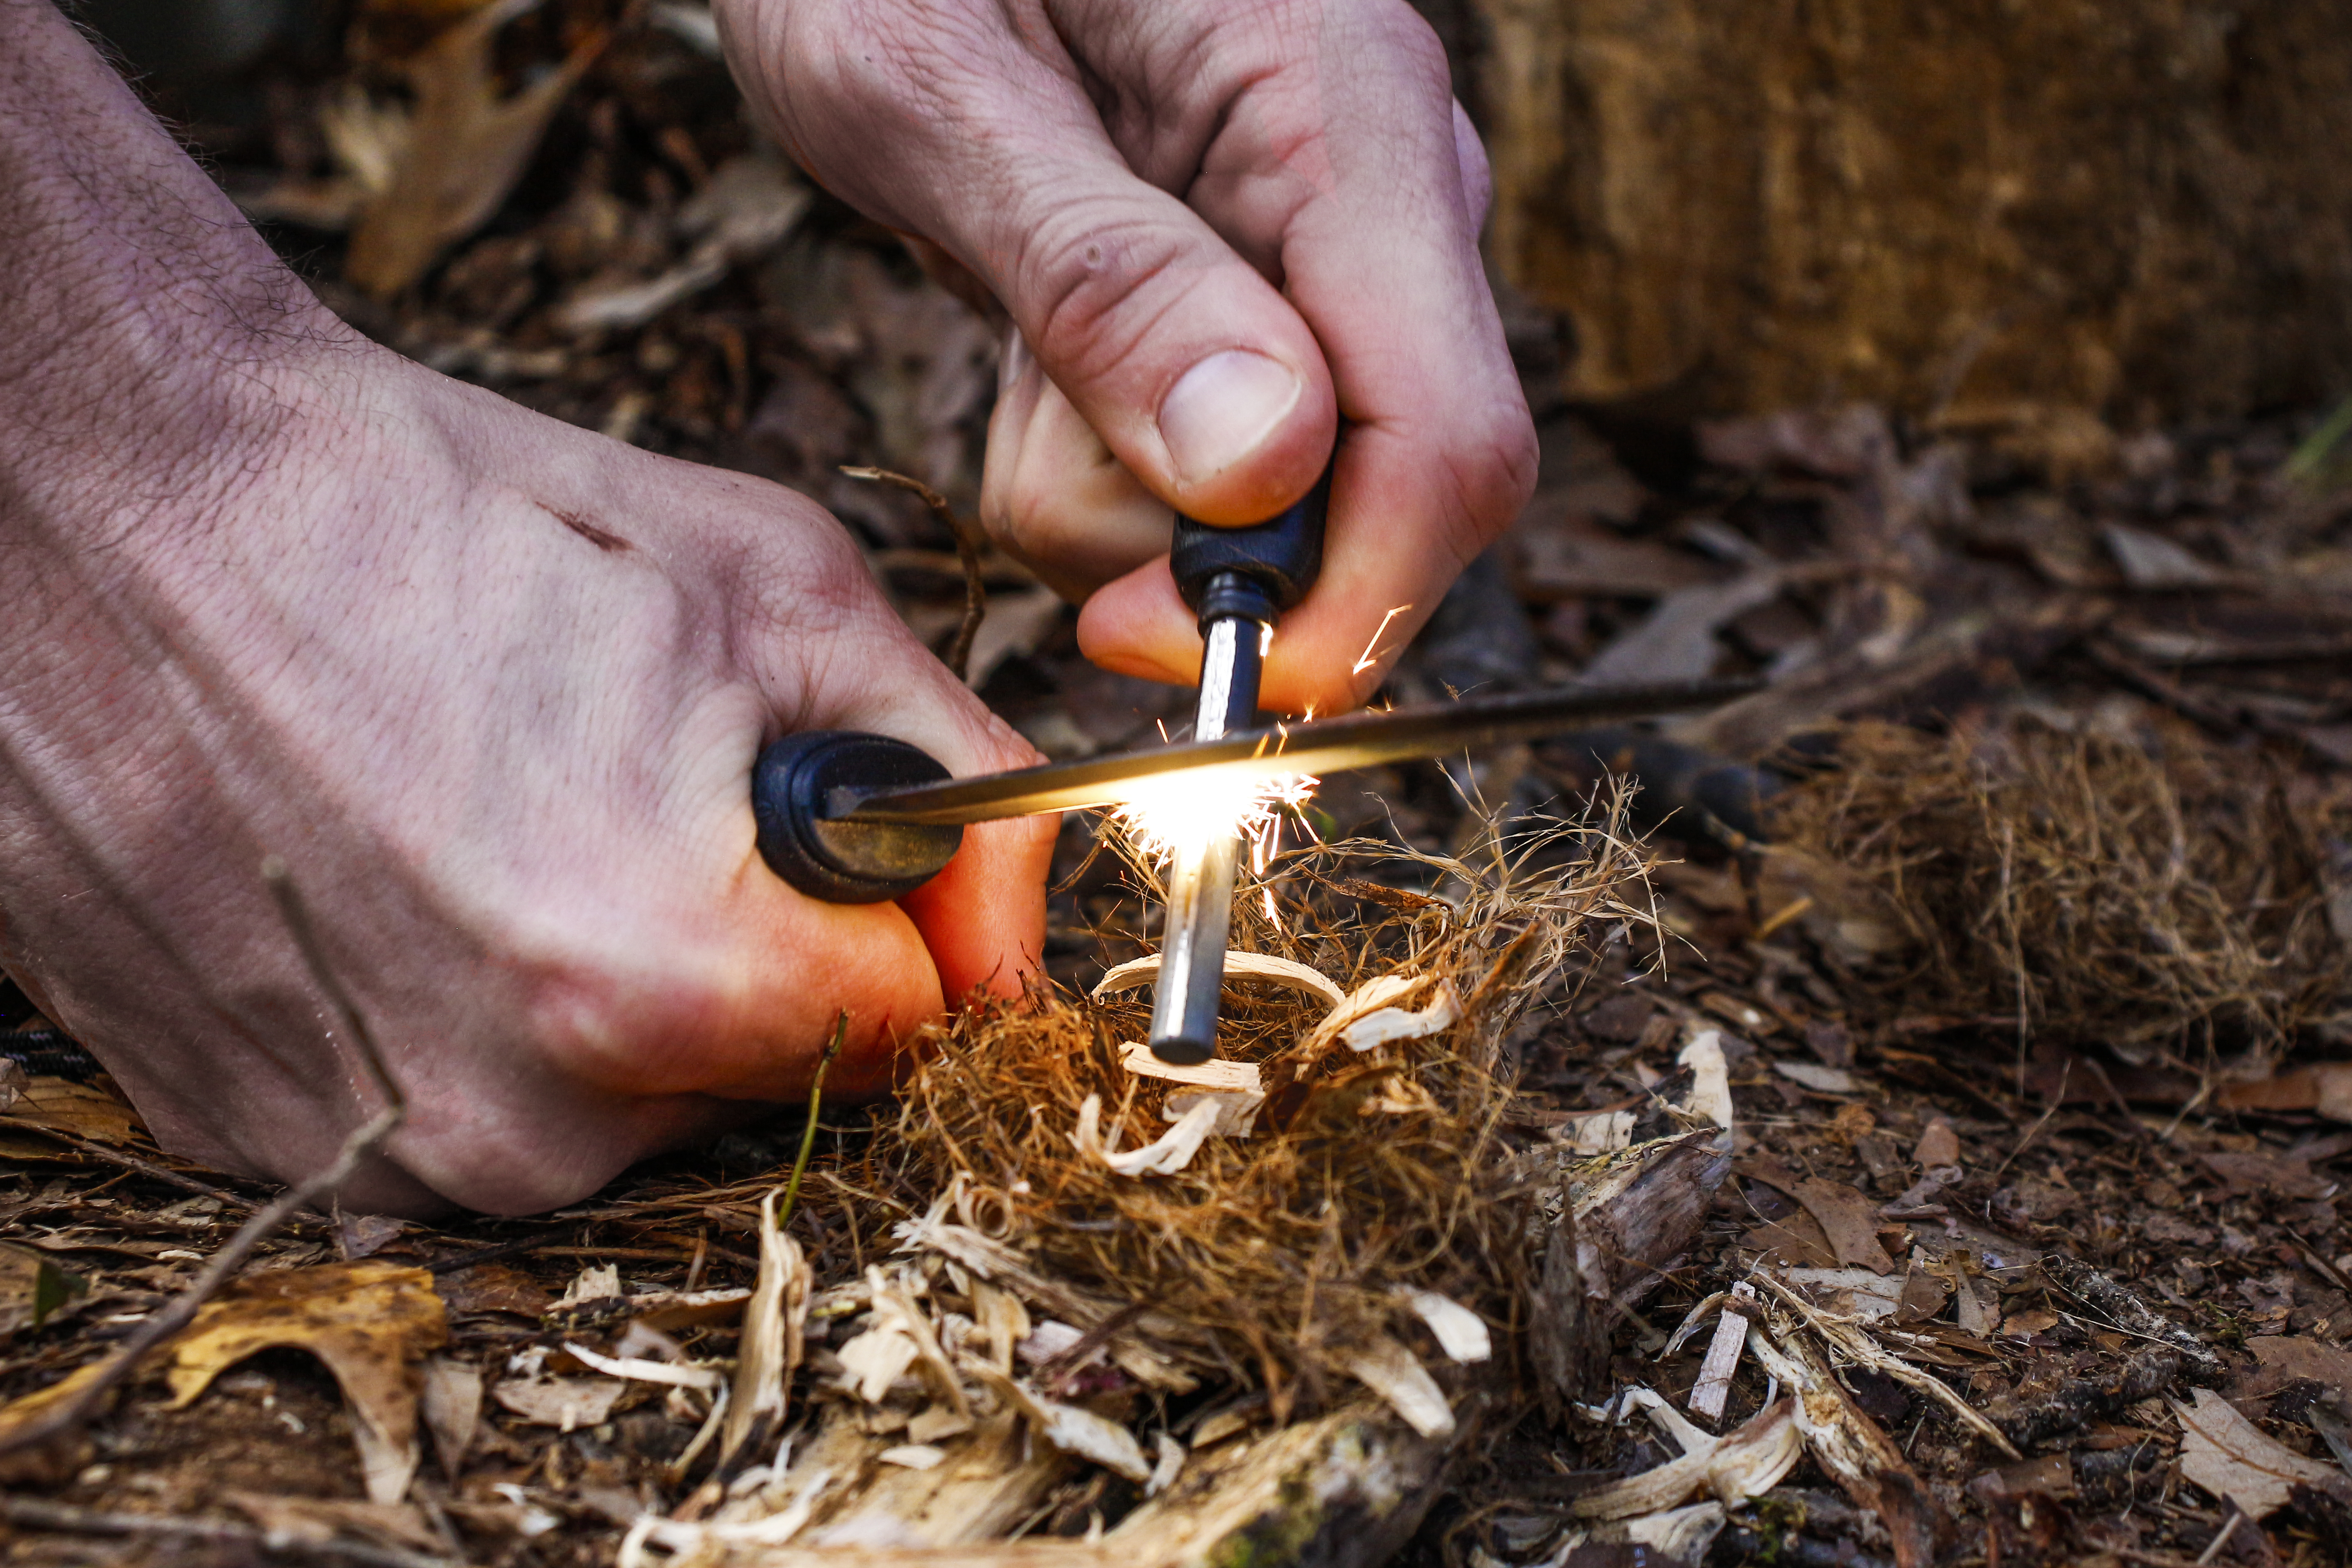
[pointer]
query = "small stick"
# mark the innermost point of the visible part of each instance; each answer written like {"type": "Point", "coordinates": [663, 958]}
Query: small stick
{"type": "Point", "coordinates": [2064, 1077]}
{"type": "Point", "coordinates": [495, 1253]}
{"type": "Point", "coordinates": [34, 1513]}
{"type": "Point", "coordinates": [808, 1132]}
{"type": "Point", "coordinates": [181, 1309]}
{"type": "Point", "coordinates": [1713, 1389]}
{"type": "Point", "coordinates": [2213, 1547]}
{"type": "Point", "coordinates": [975, 591]}
{"type": "Point", "coordinates": [147, 1168]}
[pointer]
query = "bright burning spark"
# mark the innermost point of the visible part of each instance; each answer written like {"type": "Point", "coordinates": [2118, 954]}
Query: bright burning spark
{"type": "Point", "coordinates": [1371, 649]}
{"type": "Point", "coordinates": [1172, 814]}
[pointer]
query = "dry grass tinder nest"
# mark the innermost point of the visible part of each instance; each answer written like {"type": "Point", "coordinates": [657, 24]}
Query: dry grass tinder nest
{"type": "Point", "coordinates": [2157, 893]}
{"type": "Point", "coordinates": [1368, 1176]}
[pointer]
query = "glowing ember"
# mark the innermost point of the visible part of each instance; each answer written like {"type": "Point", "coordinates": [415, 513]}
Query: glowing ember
{"type": "Point", "coordinates": [1185, 812]}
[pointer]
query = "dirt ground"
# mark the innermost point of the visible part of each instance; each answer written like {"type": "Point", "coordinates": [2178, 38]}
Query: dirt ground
{"type": "Point", "coordinates": [2044, 654]}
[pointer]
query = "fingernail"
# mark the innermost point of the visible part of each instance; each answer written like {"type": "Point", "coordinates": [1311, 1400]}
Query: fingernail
{"type": "Point", "coordinates": [1223, 409]}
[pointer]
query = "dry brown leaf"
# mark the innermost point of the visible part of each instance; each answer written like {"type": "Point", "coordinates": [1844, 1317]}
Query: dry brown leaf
{"type": "Point", "coordinates": [31, 1287]}
{"type": "Point", "coordinates": [2261, 1171]}
{"type": "Point", "coordinates": [1576, 559]}
{"type": "Point", "coordinates": [452, 1406]}
{"type": "Point", "coordinates": [1676, 641]}
{"type": "Point", "coordinates": [465, 150]}
{"type": "Point", "coordinates": [493, 1288]}
{"type": "Point", "coordinates": [2230, 1457]}
{"type": "Point", "coordinates": [84, 1109]}
{"type": "Point", "coordinates": [2325, 1089]}
{"type": "Point", "coordinates": [2286, 1357]}
{"type": "Point", "coordinates": [371, 1323]}
{"type": "Point", "coordinates": [1939, 1146]}
{"type": "Point", "coordinates": [1848, 1219]}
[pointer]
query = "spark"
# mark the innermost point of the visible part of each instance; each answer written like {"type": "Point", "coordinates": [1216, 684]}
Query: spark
{"type": "Point", "coordinates": [1183, 812]}
{"type": "Point", "coordinates": [1371, 655]}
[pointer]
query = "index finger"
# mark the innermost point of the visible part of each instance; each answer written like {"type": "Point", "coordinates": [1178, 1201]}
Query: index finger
{"type": "Point", "coordinates": [1348, 173]}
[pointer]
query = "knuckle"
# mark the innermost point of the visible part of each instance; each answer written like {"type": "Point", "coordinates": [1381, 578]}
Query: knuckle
{"type": "Point", "coordinates": [1491, 469]}
{"type": "Point", "coordinates": [603, 1022]}
{"type": "Point", "coordinates": [1096, 281]}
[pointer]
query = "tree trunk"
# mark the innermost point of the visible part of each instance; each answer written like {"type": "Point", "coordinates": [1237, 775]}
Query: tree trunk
{"type": "Point", "coordinates": [1968, 209]}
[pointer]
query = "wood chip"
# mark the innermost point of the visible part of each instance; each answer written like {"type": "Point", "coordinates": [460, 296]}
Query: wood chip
{"type": "Point", "coordinates": [1746, 1464]}
{"type": "Point", "coordinates": [567, 1404]}
{"type": "Point", "coordinates": [1239, 965]}
{"type": "Point", "coordinates": [913, 1455]}
{"type": "Point", "coordinates": [1713, 1388]}
{"type": "Point", "coordinates": [1461, 1332]}
{"type": "Point", "coordinates": [1396, 1374]}
{"type": "Point", "coordinates": [1075, 1431]}
{"type": "Point", "coordinates": [1163, 1156]}
{"type": "Point", "coordinates": [1814, 1075]}
{"type": "Point", "coordinates": [1386, 1025]}
{"type": "Point", "coordinates": [1241, 1078]}
{"type": "Point", "coordinates": [1710, 1095]}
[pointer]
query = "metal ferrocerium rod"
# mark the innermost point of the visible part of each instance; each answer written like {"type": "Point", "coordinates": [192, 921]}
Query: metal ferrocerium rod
{"type": "Point", "coordinates": [1186, 1001]}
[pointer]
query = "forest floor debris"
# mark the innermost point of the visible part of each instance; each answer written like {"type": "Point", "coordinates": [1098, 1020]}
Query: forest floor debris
{"type": "Point", "coordinates": [2002, 935]}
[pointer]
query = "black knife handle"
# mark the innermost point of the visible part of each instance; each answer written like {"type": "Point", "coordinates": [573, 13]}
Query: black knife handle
{"type": "Point", "coordinates": [846, 862]}
{"type": "Point", "coordinates": [1280, 557]}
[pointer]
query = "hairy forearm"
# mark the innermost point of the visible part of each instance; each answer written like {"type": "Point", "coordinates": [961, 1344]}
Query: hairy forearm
{"type": "Point", "coordinates": [148, 324]}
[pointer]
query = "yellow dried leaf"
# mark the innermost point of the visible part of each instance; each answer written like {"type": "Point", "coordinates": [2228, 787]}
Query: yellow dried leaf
{"type": "Point", "coordinates": [85, 1109]}
{"type": "Point", "coordinates": [371, 1322]}
{"type": "Point", "coordinates": [465, 150]}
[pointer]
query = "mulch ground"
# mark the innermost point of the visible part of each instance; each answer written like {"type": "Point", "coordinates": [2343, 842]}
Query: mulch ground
{"type": "Point", "coordinates": [2179, 591]}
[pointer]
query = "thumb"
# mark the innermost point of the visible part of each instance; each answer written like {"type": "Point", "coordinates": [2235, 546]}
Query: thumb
{"type": "Point", "coordinates": [1198, 374]}
{"type": "Point", "coordinates": [1195, 372]}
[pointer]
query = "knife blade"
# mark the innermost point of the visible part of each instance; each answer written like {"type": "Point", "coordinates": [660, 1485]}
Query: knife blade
{"type": "Point", "coordinates": [1311, 746]}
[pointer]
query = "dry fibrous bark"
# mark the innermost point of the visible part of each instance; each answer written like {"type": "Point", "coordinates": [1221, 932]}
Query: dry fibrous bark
{"type": "Point", "coordinates": [2103, 205]}
{"type": "Point", "coordinates": [1623, 1220]}
{"type": "Point", "coordinates": [2166, 1355]}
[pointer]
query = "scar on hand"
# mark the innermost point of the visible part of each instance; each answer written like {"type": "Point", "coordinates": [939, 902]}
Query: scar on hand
{"type": "Point", "coordinates": [608, 542]}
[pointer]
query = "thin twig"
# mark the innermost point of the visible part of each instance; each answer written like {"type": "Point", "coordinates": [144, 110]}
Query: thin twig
{"type": "Point", "coordinates": [76, 1408]}
{"type": "Point", "coordinates": [975, 591]}
{"type": "Point", "coordinates": [808, 1132]}
{"type": "Point", "coordinates": [2065, 1076]}
{"type": "Point", "coordinates": [2213, 1547]}
{"type": "Point", "coordinates": [147, 1168]}
{"type": "Point", "coordinates": [498, 1252]}
{"type": "Point", "coordinates": [35, 1513]}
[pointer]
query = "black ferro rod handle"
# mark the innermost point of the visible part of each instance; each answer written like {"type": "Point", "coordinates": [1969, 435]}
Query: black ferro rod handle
{"type": "Point", "coordinates": [1241, 576]}
{"type": "Point", "coordinates": [846, 862]}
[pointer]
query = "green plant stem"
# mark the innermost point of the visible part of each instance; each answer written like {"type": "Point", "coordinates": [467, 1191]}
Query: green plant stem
{"type": "Point", "coordinates": [808, 1132]}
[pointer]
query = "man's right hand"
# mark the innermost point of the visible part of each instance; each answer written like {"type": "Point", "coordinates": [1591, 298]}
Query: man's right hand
{"type": "Point", "coordinates": [490, 685]}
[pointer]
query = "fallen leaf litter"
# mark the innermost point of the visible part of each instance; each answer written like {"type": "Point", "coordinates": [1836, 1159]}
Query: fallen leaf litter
{"type": "Point", "coordinates": [2028, 1235]}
